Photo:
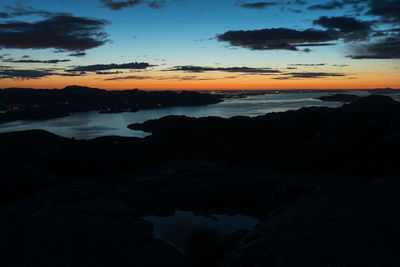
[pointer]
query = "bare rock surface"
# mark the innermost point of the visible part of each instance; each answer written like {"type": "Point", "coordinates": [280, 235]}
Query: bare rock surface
{"type": "Point", "coordinates": [334, 226]}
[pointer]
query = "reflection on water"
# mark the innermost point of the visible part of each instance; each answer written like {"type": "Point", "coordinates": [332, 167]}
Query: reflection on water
{"type": "Point", "coordinates": [178, 228]}
{"type": "Point", "coordinates": [88, 125]}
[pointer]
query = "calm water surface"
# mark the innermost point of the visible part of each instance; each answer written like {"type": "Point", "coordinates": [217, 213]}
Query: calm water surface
{"type": "Point", "coordinates": [177, 228]}
{"type": "Point", "coordinates": [87, 125]}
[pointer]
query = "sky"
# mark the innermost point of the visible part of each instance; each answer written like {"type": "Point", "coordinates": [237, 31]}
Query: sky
{"type": "Point", "coordinates": [207, 44]}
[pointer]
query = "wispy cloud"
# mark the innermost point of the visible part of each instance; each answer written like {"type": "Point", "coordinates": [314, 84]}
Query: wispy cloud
{"type": "Point", "coordinates": [259, 5]}
{"type": "Point", "coordinates": [117, 5]}
{"type": "Point", "coordinates": [308, 75]}
{"type": "Point", "coordinates": [112, 66]}
{"type": "Point", "coordinates": [49, 61]}
{"type": "Point", "coordinates": [222, 69]}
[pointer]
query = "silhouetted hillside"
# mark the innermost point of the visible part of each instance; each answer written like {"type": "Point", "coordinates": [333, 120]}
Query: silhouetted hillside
{"type": "Point", "coordinates": [323, 183]}
{"type": "Point", "coordinates": [317, 139]}
{"type": "Point", "coordinates": [314, 139]}
{"type": "Point", "coordinates": [44, 104]}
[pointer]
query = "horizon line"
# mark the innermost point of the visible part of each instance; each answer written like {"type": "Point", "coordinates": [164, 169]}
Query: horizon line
{"type": "Point", "coordinates": [288, 89]}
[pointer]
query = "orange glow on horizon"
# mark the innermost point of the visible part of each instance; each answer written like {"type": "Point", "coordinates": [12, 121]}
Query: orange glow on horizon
{"type": "Point", "coordinates": [214, 83]}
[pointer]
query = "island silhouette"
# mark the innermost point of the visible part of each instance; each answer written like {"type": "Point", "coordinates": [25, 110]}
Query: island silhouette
{"type": "Point", "coordinates": [34, 104]}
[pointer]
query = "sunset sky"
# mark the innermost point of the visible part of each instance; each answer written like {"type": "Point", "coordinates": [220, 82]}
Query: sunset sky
{"type": "Point", "coordinates": [207, 44]}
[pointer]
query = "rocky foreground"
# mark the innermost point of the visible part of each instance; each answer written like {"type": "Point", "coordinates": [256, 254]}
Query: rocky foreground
{"type": "Point", "coordinates": [324, 184]}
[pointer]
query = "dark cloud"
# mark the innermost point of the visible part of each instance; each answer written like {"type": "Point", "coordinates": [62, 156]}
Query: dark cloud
{"type": "Point", "coordinates": [157, 4]}
{"type": "Point", "coordinates": [308, 65]}
{"type": "Point", "coordinates": [259, 5]}
{"type": "Point", "coordinates": [298, 2]}
{"type": "Point", "coordinates": [278, 38]}
{"type": "Point", "coordinates": [308, 75]}
{"type": "Point", "coordinates": [77, 54]}
{"type": "Point", "coordinates": [199, 69]}
{"type": "Point", "coordinates": [320, 44]}
{"type": "Point", "coordinates": [50, 61]}
{"type": "Point", "coordinates": [289, 5]}
{"type": "Point", "coordinates": [131, 77]}
{"type": "Point", "coordinates": [161, 78]}
{"type": "Point", "coordinates": [112, 66]}
{"type": "Point", "coordinates": [387, 9]}
{"type": "Point", "coordinates": [4, 15]}
{"type": "Point", "coordinates": [327, 6]}
{"type": "Point", "coordinates": [354, 5]}
{"type": "Point", "coordinates": [108, 72]}
{"type": "Point", "coordinates": [118, 5]}
{"type": "Point", "coordinates": [387, 42]}
{"type": "Point", "coordinates": [336, 28]}
{"type": "Point", "coordinates": [23, 74]}
{"type": "Point", "coordinates": [281, 78]}
{"type": "Point", "coordinates": [62, 32]}
{"type": "Point", "coordinates": [314, 74]}
{"type": "Point", "coordinates": [385, 49]}
{"type": "Point", "coordinates": [122, 4]}
{"type": "Point", "coordinates": [30, 11]}
{"type": "Point", "coordinates": [343, 24]}
{"type": "Point", "coordinates": [196, 78]}
{"type": "Point", "coordinates": [352, 29]}
{"type": "Point", "coordinates": [266, 4]}
{"type": "Point", "coordinates": [340, 66]}
{"type": "Point", "coordinates": [144, 77]}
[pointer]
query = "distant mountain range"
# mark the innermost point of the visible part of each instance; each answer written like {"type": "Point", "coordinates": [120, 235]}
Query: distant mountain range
{"type": "Point", "coordinates": [28, 103]}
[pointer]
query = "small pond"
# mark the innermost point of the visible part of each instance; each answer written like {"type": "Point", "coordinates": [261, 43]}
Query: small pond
{"type": "Point", "coordinates": [176, 229]}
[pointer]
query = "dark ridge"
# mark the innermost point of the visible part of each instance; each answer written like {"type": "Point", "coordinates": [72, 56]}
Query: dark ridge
{"type": "Point", "coordinates": [33, 104]}
{"type": "Point", "coordinates": [290, 140]}
{"type": "Point", "coordinates": [373, 103]}
{"type": "Point", "coordinates": [339, 98]}
{"type": "Point", "coordinates": [82, 89]}
{"type": "Point", "coordinates": [317, 179]}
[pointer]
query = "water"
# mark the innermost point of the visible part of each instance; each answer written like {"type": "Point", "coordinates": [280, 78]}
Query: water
{"type": "Point", "coordinates": [177, 228]}
{"type": "Point", "coordinates": [87, 125]}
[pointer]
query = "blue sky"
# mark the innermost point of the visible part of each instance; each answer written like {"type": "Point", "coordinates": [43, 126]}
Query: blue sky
{"type": "Point", "coordinates": [184, 33]}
